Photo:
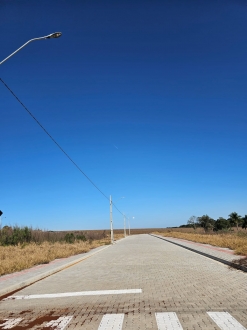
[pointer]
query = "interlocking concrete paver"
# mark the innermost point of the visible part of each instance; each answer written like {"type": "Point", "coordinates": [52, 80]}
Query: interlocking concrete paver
{"type": "Point", "coordinates": [223, 255]}
{"type": "Point", "coordinates": [172, 279]}
{"type": "Point", "coordinates": [18, 280]}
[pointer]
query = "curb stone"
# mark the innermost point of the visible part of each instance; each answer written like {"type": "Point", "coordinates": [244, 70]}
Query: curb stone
{"type": "Point", "coordinates": [31, 280]}
{"type": "Point", "coordinates": [226, 262]}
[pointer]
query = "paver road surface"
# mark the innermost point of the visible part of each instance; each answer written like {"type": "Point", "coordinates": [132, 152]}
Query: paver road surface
{"type": "Point", "coordinates": [141, 282]}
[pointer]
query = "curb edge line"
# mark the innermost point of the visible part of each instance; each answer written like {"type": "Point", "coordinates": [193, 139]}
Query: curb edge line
{"type": "Point", "coordinates": [228, 263]}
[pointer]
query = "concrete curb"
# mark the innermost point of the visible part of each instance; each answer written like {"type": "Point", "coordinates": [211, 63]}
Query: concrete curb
{"type": "Point", "coordinates": [21, 285]}
{"type": "Point", "coordinates": [226, 262]}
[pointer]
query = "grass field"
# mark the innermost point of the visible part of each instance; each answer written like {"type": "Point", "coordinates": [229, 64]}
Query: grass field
{"type": "Point", "coordinates": [23, 256]}
{"type": "Point", "coordinates": [236, 240]}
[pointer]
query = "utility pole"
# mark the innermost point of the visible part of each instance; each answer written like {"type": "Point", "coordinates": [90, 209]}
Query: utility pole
{"type": "Point", "coordinates": [111, 223]}
{"type": "Point", "coordinates": [124, 227]}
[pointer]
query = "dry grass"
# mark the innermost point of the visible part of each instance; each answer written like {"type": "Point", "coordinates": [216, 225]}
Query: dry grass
{"type": "Point", "coordinates": [17, 258]}
{"type": "Point", "coordinates": [234, 241]}
{"type": "Point", "coordinates": [184, 230]}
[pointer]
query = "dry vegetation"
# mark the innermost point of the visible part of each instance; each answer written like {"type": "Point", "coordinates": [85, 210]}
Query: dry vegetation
{"type": "Point", "coordinates": [236, 241]}
{"type": "Point", "coordinates": [15, 258]}
{"type": "Point", "coordinates": [137, 231]}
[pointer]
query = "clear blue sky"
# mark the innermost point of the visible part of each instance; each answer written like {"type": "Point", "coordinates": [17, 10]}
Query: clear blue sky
{"type": "Point", "coordinates": [149, 98]}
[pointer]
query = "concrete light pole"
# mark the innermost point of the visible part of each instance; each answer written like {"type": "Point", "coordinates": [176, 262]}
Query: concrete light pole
{"type": "Point", "coordinates": [111, 222]}
{"type": "Point", "coordinates": [129, 224]}
{"type": "Point", "coordinates": [49, 36]}
{"type": "Point", "coordinates": [124, 221]}
{"type": "Point", "coordinates": [124, 227]}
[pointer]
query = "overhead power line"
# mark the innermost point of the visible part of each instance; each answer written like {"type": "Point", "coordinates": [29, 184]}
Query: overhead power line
{"type": "Point", "coordinates": [57, 144]}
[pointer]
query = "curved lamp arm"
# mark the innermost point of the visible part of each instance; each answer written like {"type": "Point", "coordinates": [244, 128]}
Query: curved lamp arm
{"type": "Point", "coordinates": [49, 36]}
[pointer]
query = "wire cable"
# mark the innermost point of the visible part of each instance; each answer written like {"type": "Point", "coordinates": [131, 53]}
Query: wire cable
{"type": "Point", "coordinates": [117, 208]}
{"type": "Point", "coordinates": [57, 144]}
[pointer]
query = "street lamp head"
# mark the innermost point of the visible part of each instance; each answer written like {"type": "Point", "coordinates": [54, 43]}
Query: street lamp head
{"type": "Point", "coordinates": [54, 35]}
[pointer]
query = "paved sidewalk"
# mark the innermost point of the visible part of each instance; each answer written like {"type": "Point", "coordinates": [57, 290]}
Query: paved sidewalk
{"type": "Point", "coordinates": [220, 254]}
{"type": "Point", "coordinates": [18, 280]}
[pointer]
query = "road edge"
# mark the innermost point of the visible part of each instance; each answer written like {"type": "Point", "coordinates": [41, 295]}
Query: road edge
{"type": "Point", "coordinates": [226, 262]}
{"type": "Point", "coordinates": [32, 280]}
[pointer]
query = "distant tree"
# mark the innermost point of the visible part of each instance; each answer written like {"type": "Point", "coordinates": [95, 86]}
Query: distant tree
{"type": "Point", "coordinates": [244, 222]}
{"type": "Point", "coordinates": [221, 224]}
{"type": "Point", "coordinates": [183, 226]}
{"type": "Point", "coordinates": [192, 221]}
{"type": "Point", "coordinates": [235, 219]}
{"type": "Point", "coordinates": [206, 222]}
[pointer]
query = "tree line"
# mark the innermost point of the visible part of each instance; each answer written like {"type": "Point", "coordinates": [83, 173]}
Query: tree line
{"type": "Point", "coordinates": [208, 223]}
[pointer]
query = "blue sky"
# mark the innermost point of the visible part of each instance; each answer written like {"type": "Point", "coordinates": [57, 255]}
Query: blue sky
{"type": "Point", "coordinates": [147, 97]}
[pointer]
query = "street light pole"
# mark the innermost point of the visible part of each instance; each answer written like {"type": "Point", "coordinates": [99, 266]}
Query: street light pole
{"type": "Point", "coordinates": [111, 222]}
{"type": "Point", "coordinates": [49, 36]}
{"type": "Point", "coordinates": [124, 227]}
{"type": "Point", "coordinates": [129, 224]}
{"type": "Point", "coordinates": [124, 221]}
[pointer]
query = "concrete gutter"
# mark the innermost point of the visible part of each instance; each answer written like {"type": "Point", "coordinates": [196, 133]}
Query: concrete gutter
{"type": "Point", "coordinates": [222, 260]}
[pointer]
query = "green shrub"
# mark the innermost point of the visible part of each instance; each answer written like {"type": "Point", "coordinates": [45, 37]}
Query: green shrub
{"type": "Point", "coordinates": [15, 235]}
{"type": "Point", "coordinates": [69, 238]}
{"type": "Point", "coordinates": [81, 237]}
